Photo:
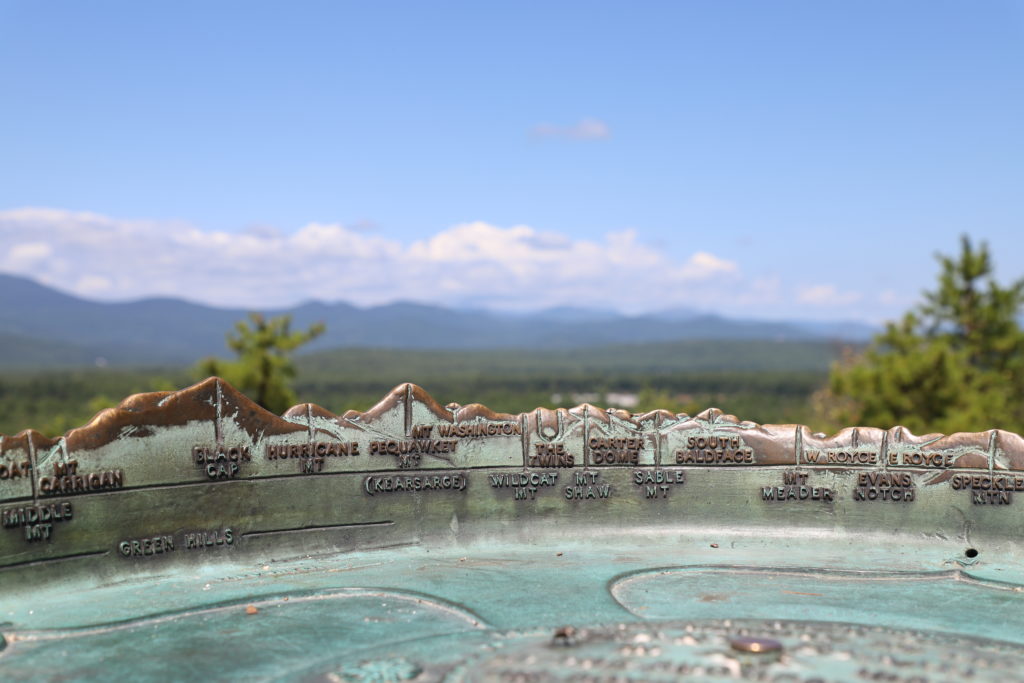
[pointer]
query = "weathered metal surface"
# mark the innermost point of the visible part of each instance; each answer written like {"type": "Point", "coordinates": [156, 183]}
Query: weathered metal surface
{"type": "Point", "coordinates": [194, 535]}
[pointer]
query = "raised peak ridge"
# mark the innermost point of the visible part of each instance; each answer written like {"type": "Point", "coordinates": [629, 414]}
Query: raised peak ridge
{"type": "Point", "coordinates": [214, 398]}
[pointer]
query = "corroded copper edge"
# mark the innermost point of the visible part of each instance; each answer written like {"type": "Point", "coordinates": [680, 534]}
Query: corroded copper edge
{"type": "Point", "coordinates": [214, 397]}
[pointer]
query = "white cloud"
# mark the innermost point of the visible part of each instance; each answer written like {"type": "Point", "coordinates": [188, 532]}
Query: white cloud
{"type": "Point", "coordinates": [27, 253]}
{"type": "Point", "coordinates": [827, 295]}
{"type": "Point", "coordinates": [585, 129]}
{"type": "Point", "coordinates": [92, 284]}
{"type": "Point", "coordinates": [888, 296]}
{"type": "Point", "coordinates": [476, 263]}
{"type": "Point", "coordinates": [704, 265]}
{"type": "Point", "coordinates": [762, 292]}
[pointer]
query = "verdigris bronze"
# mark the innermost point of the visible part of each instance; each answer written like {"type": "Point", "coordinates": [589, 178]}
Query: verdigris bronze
{"type": "Point", "coordinates": [194, 535]}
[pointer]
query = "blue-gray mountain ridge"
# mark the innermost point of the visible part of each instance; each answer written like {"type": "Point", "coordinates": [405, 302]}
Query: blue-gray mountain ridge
{"type": "Point", "coordinates": [43, 327]}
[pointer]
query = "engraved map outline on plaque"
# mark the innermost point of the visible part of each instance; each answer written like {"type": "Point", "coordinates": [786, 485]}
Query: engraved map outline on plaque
{"type": "Point", "coordinates": [408, 448]}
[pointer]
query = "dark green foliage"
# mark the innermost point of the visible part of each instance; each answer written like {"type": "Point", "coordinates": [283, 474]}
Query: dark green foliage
{"type": "Point", "coordinates": [954, 364]}
{"type": "Point", "coordinates": [55, 401]}
{"type": "Point", "coordinates": [762, 381]}
{"type": "Point", "coordinates": [264, 368]}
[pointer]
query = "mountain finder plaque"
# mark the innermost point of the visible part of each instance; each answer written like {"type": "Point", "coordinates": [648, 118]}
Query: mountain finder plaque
{"type": "Point", "coordinates": [200, 524]}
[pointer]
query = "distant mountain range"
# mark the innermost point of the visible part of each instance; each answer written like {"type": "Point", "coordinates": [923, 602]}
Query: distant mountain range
{"type": "Point", "coordinates": [42, 327]}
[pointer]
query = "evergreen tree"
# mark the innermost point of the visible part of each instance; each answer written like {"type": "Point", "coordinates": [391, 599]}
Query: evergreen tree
{"type": "Point", "coordinates": [264, 368]}
{"type": "Point", "coordinates": [954, 364]}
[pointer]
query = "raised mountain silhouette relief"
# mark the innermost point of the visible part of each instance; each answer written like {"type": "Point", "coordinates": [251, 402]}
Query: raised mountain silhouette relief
{"type": "Point", "coordinates": [211, 431]}
{"type": "Point", "coordinates": [205, 474]}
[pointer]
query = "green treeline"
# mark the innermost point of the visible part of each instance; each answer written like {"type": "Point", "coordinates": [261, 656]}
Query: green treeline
{"type": "Point", "coordinates": [762, 381]}
{"type": "Point", "coordinates": [55, 401]}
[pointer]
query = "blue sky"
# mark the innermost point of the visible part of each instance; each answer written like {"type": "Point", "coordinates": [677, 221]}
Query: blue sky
{"type": "Point", "coordinates": [768, 159]}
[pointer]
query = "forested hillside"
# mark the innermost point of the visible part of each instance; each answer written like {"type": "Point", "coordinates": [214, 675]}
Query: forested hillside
{"type": "Point", "coordinates": [762, 381]}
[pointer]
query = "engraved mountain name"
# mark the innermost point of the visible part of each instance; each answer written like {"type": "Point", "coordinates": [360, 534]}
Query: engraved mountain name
{"type": "Point", "coordinates": [178, 476]}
